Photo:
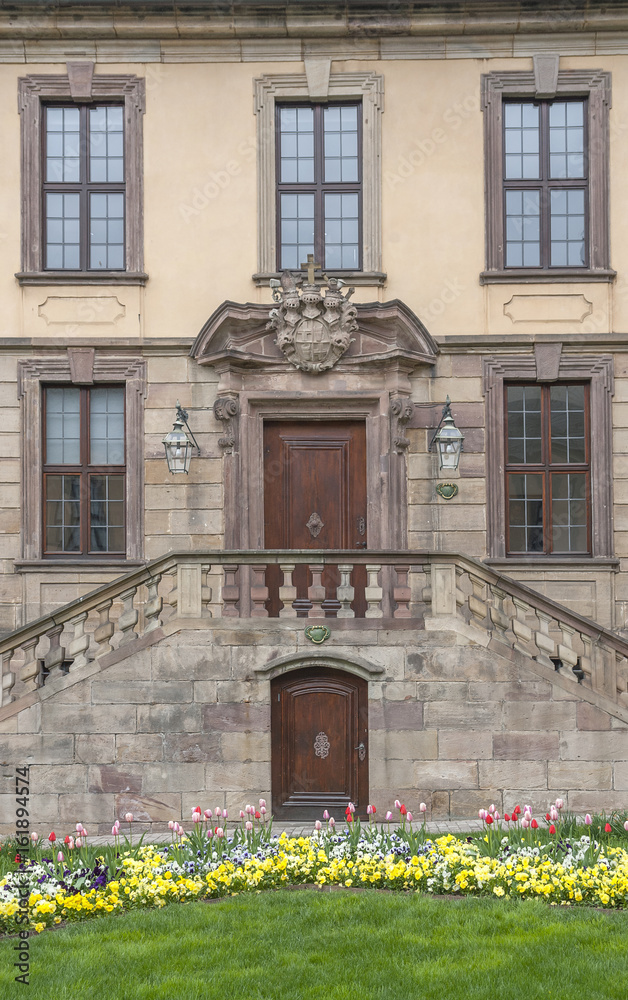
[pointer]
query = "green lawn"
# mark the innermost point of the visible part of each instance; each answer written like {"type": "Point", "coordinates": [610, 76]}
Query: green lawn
{"type": "Point", "coordinates": [339, 945]}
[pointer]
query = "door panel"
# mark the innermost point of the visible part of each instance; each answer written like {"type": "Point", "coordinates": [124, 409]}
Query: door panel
{"type": "Point", "coordinates": [315, 498]}
{"type": "Point", "coordinates": [319, 722]}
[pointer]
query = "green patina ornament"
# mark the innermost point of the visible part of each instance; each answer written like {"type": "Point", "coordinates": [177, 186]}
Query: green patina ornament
{"type": "Point", "coordinates": [317, 633]}
{"type": "Point", "coordinates": [447, 490]}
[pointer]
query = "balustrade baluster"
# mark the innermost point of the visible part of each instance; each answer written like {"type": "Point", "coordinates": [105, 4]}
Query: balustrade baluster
{"type": "Point", "coordinates": [30, 672]}
{"type": "Point", "coordinates": [586, 659]}
{"type": "Point", "coordinates": [129, 617]}
{"type": "Point", "coordinates": [230, 592]}
{"type": "Point", "coordinates": [287, 591]}
{"type": "Point", "coordinates": [401, 592]}
{"type": "Point", "coordinates": [523, 632]}
{"type": "Point", "coordinates": [153, 606]}
{"type": "Point", "coordinates": [373, 593]}
{"type": "Point", "coordinates": [499, 618]}
{"type": "Point", "coordinates": [206, 591]}
{"type": "Point", "coordinates": [477, 602]}
{"type": "Point", "coordinates": [544, 642]}
{"type": "Point", "coordinates": [105, 629]}
{"type": "Point", "coordinates": [8, 677]}
{"type": "Point", "coordinates": [78, 647]}
{"type": "Point", "coordinates": [566, 651]}
{"type": "Point", "coordinates": [259, 592]}
{"type": "Point", "coordinates": [56, 654]}
{"type": "Point", "coordinates": [316, 593]}
{"type": "Point", "coordinates": [345, 592]}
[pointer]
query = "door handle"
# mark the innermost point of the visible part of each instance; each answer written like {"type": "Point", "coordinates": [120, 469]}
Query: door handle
{"type": "Point", "coordinates": [360, 545]}
{"type": "Point", "coordinates": [361, 751]}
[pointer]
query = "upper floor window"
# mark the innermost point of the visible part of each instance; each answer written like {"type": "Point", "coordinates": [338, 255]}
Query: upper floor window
{"type": "Point", "coordinates": [82, 214]}
{"type": "Point", "coordinates": [84, 188]}
{"type": "Point", "coordinates": [319, 185]}
{"type": "Point", "coordinates": [545, 184]}
{"type": "Point", "coordinates": [84, 471]}
{"type": "Point", "coordinates": [546, 162]}
{"type": "Point", "coordinates": [548, 469]}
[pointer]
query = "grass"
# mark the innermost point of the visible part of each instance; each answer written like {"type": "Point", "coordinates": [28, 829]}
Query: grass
{"type": "Point", "coordinates": [342, 945]}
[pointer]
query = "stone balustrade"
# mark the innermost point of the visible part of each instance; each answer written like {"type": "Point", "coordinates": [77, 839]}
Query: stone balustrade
{"type": "Point", "coordinates": [414, 590]}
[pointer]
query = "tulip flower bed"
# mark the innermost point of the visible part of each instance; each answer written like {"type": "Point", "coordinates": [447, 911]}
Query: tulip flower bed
{"type": "Point", "coordinates": [517, 860]}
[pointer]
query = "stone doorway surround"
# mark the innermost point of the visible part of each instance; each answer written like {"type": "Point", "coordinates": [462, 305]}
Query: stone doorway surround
{"type": "Point", "coordinates": [371, 382]}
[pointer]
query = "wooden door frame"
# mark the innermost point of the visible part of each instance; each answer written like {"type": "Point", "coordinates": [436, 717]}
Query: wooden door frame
{"type": "Point", "coordinates": [313, 669]}
{"type": "Point", "coordinates": [386, 495]}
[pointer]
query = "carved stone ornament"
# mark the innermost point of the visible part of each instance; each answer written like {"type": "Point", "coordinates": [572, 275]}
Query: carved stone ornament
{"type": "Point", "coordinates": [226, 409]}
{"type": "Point", "coordinates": [313, 330]}
{"type": "Point", "coordinates": [401, 409]}
{"type": "Point", "coordinates": [447, 490]}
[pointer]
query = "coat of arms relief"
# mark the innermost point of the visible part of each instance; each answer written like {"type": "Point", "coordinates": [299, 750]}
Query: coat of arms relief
{"type": "Point", "coordinates": [313, 330]}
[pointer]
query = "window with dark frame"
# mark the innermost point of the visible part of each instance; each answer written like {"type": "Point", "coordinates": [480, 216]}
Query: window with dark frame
{"type": "Point", "coordinates": [84, 188]}
{"type": "Point", "coordinates": [84, 471]}
{"type": "Point", "coordinates": [548, 469]}
{"type": "Point", "coordinates": [319, 185]}
{"type": "Point", "coordinates": [545, 169]}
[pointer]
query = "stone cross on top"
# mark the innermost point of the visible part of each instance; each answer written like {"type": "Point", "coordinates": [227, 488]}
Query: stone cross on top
{"type": "Point", "coordinates": [311, 267]}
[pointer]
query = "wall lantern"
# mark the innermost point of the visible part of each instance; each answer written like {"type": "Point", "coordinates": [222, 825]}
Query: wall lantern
{"type": "Point", "coordinates": [179, 443]}
{"type": "Point", "coordinates": [448, 440]}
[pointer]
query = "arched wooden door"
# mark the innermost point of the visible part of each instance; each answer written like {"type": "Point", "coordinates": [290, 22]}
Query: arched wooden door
{"type": "Point", "coordinates": [319, 725]}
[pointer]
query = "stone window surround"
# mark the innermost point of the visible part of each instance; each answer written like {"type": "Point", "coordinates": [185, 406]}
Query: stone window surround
{"type": "Point", "coordinates": [32, 91]}
{"type": "Point", "coordinates": [80, 367]}
{"type": "Point", "coordinates": [599, 373]}
{"type": "Point", "coordinates": [595, 85]}
{"type": "Point", "coordinates": [367, 87]}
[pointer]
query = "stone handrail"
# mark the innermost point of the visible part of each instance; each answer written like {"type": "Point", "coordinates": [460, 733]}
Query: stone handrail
{"type": "Point", "coordinates": [415, 589]}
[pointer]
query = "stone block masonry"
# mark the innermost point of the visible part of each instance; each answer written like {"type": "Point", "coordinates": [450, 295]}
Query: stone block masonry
{"type": "Point", "coordinates": [187, 721]}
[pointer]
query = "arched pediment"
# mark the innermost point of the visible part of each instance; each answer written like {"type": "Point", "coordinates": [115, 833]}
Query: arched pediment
{"type": "Point", "coordinates": [238, 336]}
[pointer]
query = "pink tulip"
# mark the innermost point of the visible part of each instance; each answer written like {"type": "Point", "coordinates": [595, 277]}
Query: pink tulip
{"type": "Point", "coordinates": [71, 843]}
{"type": "Point", "coordinates": [242, 814]}
{"type": "Point", "coordinates": [491, 808]}
{"type": "Point", "coordinates": [496, 815]}
{"type": "Point", "coordinates": [34, 837]}
{"type": "Point", "coordinates": [326, 815]}
{"type": "Point", "coordinates": [262, 804]}
{"type": "Point", "coordinates": [423, 807]}
{"type": "Point", "coordinates": [225, 814]}
{"type": "Point", "coordinates": [248, 825]}
{"type": "Point", "coordinates": [553, 813]}
{"type": "Point", "coordinates": [117, 824]}
{"type": "Point", "coordinates": [210, 833]}
{"type": "Point", "coordinates": [218, 811]}
{"type": "Point", "coordinates": [369, 810]}
{"type": "Point", "coordinates": [220, 833]}
{"type": "Point", "coordinates": [318, 825]}
{"type": "Point", "coordinates": [60, 856]}
{"type": "Point", "coordinates": [588, 820]}
{"type": "Point", "coordinates": [482, 813]}
{"type": "Point", "coordinates": [388, 816]}
{"type": "Point", "coordinates": [78, 828]}
{"type": "Point", "coordinates": [207, 814]}
{"type": "Point", "coordinates": [332, 821]}
{"type": "Point", "coordinates": [409, 817]}
{"type": "Point", "coordinates": [525, 823]}
{"type": "Point", "coordinates": [351, 808]}
{"type": "Point", "coordinates": [626, 826]}
{"type": "Point", "coordinates": [128, 817]}
{"type": "Point", "coordinates": [114, 832]}
{"type": "Point", "coordinates": [78, 842]}
{"type": "Point", "coordinates": [397, 804]}
{"type": "Point", "coordinates": [559, 803]}
{"type": "Point", "coordinates": [262, 809]}
{"type": "Point", "coordinates": [197, 817]}
{"type": "Point", "coordinates": [171, 824]}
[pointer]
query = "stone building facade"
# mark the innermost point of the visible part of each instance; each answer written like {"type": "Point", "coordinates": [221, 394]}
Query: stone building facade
{"type": "Point", "coordinates": [165, 176]}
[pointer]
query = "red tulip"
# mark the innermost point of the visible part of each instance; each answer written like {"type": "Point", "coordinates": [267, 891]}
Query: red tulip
{"type": "Point", "coordinates": [258, 814]}
{"type": "Point", "coordinates": [403, 810]}
{"type": "Point", "coordinates": [547, 817]}
{"type": "Point", "coordinates": [52, 837]}
{"type": "Point", "coordinates": [349, 818]}
{"type": "Point", "coordinates": [67, 839]}
{"type": "Point", "coordinates": [517, 810]}
{"type": "Point", "coordinates": [552, 829]}
{"type": "Point", "coordinates": [17, 859]}
{"type": "Point", "coordinates": [534, 824]}
{"type": "Point", "coordinates": [507, 817]}
{"type": "Point", "coordinates": [608, 828]}
{"type": "Point", "coordinates": [489, 819]}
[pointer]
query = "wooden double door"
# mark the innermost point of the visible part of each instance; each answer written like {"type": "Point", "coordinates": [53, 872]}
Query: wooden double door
{"type": "Point", "coordinates": [319, 726]}
{"type": "Point", "coordinates": [315, 498]}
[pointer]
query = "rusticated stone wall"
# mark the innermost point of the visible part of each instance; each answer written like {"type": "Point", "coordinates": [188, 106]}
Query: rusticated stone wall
{"type": "Point", "coordinates": [186, 721]}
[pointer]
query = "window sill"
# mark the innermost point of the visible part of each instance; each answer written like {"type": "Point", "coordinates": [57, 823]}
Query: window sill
{"type": "Point", "coordinates": [532, 275]}
{"type": "Point", "coordinates": [36, 565]}
{"type": "Point", "coordinates": [376, 278]}
{"type": "Point", "coordinates": [552, 562]}
{"type": "Point", "coordinates": [81, 277]}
